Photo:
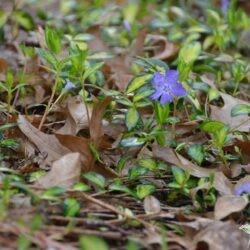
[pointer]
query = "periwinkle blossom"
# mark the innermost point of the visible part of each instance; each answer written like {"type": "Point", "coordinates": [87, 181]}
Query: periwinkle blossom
{"type": "Point", "coordinates": [166, 86]}
{"type": "Point", "coordinates": [224, 5]}
{"type": "Point", "coordinates": [68, 86]}
{"type": "Point", "coordinates": [127, 25]}
{"type": "Point", "coordinates": [243, 188]}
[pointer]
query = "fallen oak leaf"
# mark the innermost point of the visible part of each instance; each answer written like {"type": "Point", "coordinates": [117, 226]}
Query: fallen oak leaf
{"type": "Point", "coordinates": [81, 145]}
{"type": "Point", "coordinates": [163, 48]}
{"type": "Point", "coordinates": [169, 155]}
{"type": "Point", "coordinates": [46, 144]}
{"type": "Point", "coordinates": [64, 172]}
{"type": "Point", "coordinates": [220, 235]}
{"type": "Point", "coordinates": [221, 183]}
{"type": "Point", "coordinates": [95, 126]}
{"type": "Point", "coordinates": [241, 122]}
{"type": "Point", "coordinates": [228, 204]}
{"type": "Point", "coordinates": [77, 117]}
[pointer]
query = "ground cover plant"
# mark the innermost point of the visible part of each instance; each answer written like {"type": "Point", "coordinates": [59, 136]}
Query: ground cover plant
{"type": "Point", "coordinates": [124, 124]}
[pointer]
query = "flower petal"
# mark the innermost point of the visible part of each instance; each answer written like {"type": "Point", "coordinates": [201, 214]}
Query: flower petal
{"type": "Point", "coordinates": [156, 94]}
{"type": "Point", "coordinates": [158, 78]}
{"type": "Point", "coordinates": [171, 77]}
{"type": "Point", "coordinates": [178, 90]}
{"type": "Point", "coordinates": [166, 97]}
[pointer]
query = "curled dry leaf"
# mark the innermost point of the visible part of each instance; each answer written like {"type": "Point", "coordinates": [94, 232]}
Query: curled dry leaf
{"type": "Point", "coordinates": [151, 205]}
{"type": "Point", "coordinates": [221, 183]}
{"type": "Point", "coordinates": [241, 122]}
{"type": "Point", "coordinates": [81, 145]}
{"type": "Point", "coordinates": [170, 156]}
{"type": "Point", "coordinates": [220, 236]}
{"type": "Point", "coordinates": [64, 172]}
{"type": "Point", "coordinates": [162, 48]}
{"type": "Point", "coordinates": [48, 145]}
{"type": "Point", "coordinates": [227, 205]}
{"type": "Point", "coordinates": [77, 116]}
{"type": "Point", "coordinates": [95, 126]}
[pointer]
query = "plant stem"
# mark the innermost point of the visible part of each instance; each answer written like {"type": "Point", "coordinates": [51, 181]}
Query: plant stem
{"type": "Point", "coordinates": [236, 87]}
{"type": "Point", "coordinates": [47, 110]}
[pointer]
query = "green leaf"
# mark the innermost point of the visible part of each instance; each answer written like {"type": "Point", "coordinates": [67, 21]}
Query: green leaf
{"type": "Point", "coordinates": [121, 162]}
{"type": "Point", "coordinates": [3, 18]}
{"type": "Point", "coordinates": [213, 94]}
{"type": "Point", "coordinates": [137, 82]}
{"type": "Point", "coordinates": [144, 190]}
{"type": "Point", "coordinates": [220, 136]}
{"type": "Point", "coordinates": [101, 55]}
{"type": "Point", "coordinates": [81, 187]}
{"type": "Point", "coordinates": [148, 163]}
{"type": "Point", "coordinates": [142, 94]}
{"type": "Point", "coordinates": [10, 143]}
{"type": "Point", "coordinates": [48, 56]}
{"type": "Point", "coordinates": [136, 171]}
{"type": "Point", "coordinates": [132, 118]}
{"type": "Point", "coordinates": [196, 152]}
{"type": "Point", "coordinates": [71, 207]}
{"type": "Point", "coordinates": [24, 19]}
{"type": "Point", "coordinates": [92, 242]}
{"type": "Point", "coordinates": [97, 179]}
{"type": "Point", "coordinates": [83, 37]}
{"type": "Point", "coordinates": [211, 126]}
{"type": "Point", "coordinates": [179, 175]}
{"type": "Point", "coordinates": [53, 40]}
{"type": "Point", "coordinates": [189, 53]}
{"type": "Point", "coordinates": [92, 69]}
{"type": "Point", "coordinates": [121, 188]}
{"type": "Point", "coordinates": [240, 109]}
{"type": "Point", "coordinates": [52, 193]}
{"type": "Point", "coordinates": [151, 64]}
{"type": "Point", "coordinates": [161, 112]}
{"type": "Point", "coordinates": [131, 142]}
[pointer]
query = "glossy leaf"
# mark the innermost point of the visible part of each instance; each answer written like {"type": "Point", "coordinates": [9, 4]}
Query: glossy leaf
{"type": "Point", "coordinates": [95, 178]}
{"type": "Point", "coordinates": [137, 82]}
{"type": "Point", "coordinates": [144, 190]}
{"type": "Point", "coordinates": [132, 118]}
{"type": "Point", "coordinates": [53, 40]}
{"type": "Point", "coordinates": [240, 109]}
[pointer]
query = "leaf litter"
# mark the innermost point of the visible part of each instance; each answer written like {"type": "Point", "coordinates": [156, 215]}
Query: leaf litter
{"type": "Point", "coordinates": [110, 168]}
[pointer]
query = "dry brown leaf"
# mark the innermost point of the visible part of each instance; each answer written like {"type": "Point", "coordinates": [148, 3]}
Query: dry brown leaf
{"type": "Point", "coordinates": [220, 236]}
{"type": "Point", "coordinates": [163, 48]}
{"type": "Point", "coordinates": [47, 144]}
{"type": "Point", "coordinates": [77, 144]}
{"type": "Point", "coordinates": [3, 64]}
{"type": "Point", "coordinates": [151, 205]}
{"type": "Point", "coordinates": [221, 183]}
{"type": "Point", "coordinates": [95, 126]}
{"type": "Point", "coordinates": [170, 156]}
{"type": "Point", "coordinates": [119, 66]}
{"type": "Point", "coordinates": [64, 172]}
{"type": "Point", "coordinates": [224, 114]}
{"type": "Point", "coordinates": [228, 204]}
{"type": "Point", "coordinates": [77, 116]}
{"type": "Point", "coordinates": [81, 145]}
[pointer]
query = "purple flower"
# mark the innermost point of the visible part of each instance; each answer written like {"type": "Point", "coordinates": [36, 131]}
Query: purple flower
{"type": "Point", "coordinates": [166, 86]}
{"type": "Point", "coordinates": [68, 86]}
{"type": "Point", "coordinates": [127, 25]}
{"type": "Point", "coordinates": [243, 188]}
{"type": "Point", "coordinates": [224, 5]}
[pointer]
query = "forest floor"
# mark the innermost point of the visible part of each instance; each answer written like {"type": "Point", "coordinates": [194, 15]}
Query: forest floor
{"type": "Point", "coordinates": [124, 125]}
